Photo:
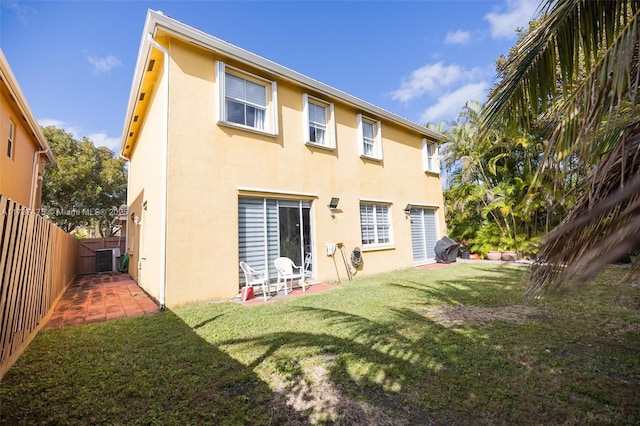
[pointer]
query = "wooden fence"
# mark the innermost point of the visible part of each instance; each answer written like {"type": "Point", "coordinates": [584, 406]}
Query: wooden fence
{"type": "Point", "coordinates": [88, 247]}
{"type": "Point", "coordinates": [37, 262]}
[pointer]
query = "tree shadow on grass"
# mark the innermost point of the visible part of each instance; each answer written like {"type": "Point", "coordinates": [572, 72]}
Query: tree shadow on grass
{"type": "Point", "coordinates": [147, 370]}
{"type": "Point", "coordinates": [379, 375]}
{"type": "Point", "coordinates": [408, 368]}
{"type": "Point", "coordinates": [488, 286]}
{"type": "Point", "coordinates": [317, 375]}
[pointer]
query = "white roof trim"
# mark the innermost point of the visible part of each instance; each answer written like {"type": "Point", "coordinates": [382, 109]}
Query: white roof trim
{"type": "Point", "coordinates": [14, 89]}
{"type": "Point", "coordinates": [157, 20]}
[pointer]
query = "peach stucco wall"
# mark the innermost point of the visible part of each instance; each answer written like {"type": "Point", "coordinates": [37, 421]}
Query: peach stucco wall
{"type": "Point", "coordinates": [16, 172]}
{"type": "Point", "coordinates": [211, 165]}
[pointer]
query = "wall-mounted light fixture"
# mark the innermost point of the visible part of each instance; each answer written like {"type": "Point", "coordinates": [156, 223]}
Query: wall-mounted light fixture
{"type": "Point", "coordinates": [407, 209]}
{"type": "Point", "coordinates": [333, 204]}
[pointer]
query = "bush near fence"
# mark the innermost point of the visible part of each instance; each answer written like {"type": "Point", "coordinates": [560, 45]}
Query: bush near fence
{"type": "Point", "coordinates": [38, 261]}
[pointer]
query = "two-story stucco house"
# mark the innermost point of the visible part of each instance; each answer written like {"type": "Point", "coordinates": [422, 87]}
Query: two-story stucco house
{"type": "Point", "coordinates": [23, 147]}
{"type": "Point", "coordinates": [234, 157]}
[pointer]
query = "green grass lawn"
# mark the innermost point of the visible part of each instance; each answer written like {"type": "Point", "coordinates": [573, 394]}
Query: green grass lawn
{"type": "Point", "coordinates": [455, 345]}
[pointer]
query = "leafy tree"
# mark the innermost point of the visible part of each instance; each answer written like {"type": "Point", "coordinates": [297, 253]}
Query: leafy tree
{"type": "Point", "coordinates": [578, 69]}
{"type": "Point", "coordinates": [86, 187]}
{"type": "Point", "coordinates": [489, 200]}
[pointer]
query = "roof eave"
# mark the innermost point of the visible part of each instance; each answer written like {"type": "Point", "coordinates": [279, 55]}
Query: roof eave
{"type": "Point", "coordinates": [138, 76]}
{"type": "Point", "coordinates": [157, 20]}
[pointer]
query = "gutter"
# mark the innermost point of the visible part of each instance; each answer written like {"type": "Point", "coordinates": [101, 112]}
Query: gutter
{"type": "Point", "coordinates": [34, 180]}
{"type": "Point", "coordinates": [163, 190]}
{"type": "Point", "coordinates": [126, 237]}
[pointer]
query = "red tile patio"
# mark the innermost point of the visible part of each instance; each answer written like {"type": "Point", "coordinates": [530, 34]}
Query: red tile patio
{"type": "Point", "coordinates": [297, 292]}
{"type": "Point", "coordinates": [96, 298]}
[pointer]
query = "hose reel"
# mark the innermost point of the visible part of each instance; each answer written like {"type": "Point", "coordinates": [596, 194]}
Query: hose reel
{"type": "Point", "coordinates": [355, 258]}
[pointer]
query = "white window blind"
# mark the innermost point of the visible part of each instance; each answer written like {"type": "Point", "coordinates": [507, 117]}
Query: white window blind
{"type": "Point", "coordinates": [424, 234]}
{"type": "Point", "coordinates": [242, 89]}
{"type": "Point", "coordinates": [374, 223]}
{"type": "Point", "coordinates": [317, 123]}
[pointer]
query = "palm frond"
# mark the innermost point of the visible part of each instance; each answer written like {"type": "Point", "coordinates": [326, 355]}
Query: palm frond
{"type": "Point", "coordinates": [603, 225]}
{"type": "Point", "coordinates": [603, 36]}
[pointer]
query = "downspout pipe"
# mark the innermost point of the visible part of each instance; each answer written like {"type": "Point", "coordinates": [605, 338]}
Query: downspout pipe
{"type": "Point", "coordinates": [164, 165]}
{"type": "Point", "coordinates": [126, 236]}
{"type": "Point", "coordinates": [34, 179]}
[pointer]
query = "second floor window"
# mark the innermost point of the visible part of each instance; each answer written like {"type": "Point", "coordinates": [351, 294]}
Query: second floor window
{"type": "Point", "coordinates": [368, 141]}
{"type": "Point", "coordinates": [430, 159]}
{"type": "Point", "coordinates": [375, 225]}
{"type": "Point", "coordinates": [318, 122]}
{"type": "Point", "coordinates": [10, 139]}
{"type": "Point", "coordinates": [246, 100]}
{"type": "Point", "coordinates": [370, 138]}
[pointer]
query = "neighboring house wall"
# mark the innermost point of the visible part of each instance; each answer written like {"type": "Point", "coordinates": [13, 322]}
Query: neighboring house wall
{"type": "Point", "coordinates": [217, 173]}
{"type": "Point", "coordinates": [20, 139]}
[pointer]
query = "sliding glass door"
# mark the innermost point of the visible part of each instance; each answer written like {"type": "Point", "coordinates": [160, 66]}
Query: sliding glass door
{"type": "Point", "coordinates": [269, 228]}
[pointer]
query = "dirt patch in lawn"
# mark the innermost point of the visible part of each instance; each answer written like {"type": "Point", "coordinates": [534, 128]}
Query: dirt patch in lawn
{"type": "Point", "coordinates": [316, 396]}
{"type": "Point", "coordinates": [462, 314]}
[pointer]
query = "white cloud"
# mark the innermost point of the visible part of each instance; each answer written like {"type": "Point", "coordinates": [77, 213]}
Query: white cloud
{"type": "Point", "coordinates": [457, 37]}
{"type": "Point", "coordinates": [450, 104]}
{"type": "Point", "coordinates": [100, 138]}
{"type": "Point", "coordinates": [69, 128]}
{"type": "Point", "coordinates": [105, 63]}
{"type": "Point", "coordinates": [19, 8]}
{"type": "Point", "coordinates": [103, 139]}
{"type": "Point", "coordinates": [518, 14]}
{"type": "Point", "coordinates": [432, 79]}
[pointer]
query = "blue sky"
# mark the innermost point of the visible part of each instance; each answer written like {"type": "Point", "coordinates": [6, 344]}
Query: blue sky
{"type": "Point", "coordinates": [422, 60]}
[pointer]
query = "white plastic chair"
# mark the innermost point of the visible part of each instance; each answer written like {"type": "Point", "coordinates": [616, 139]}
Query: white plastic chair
{"type": "Point", "coordinates": [308, 259]}
{"type": "Point", "coordinates": [285, 267]}
{"type": "Point", "coordinates": [254, 278]}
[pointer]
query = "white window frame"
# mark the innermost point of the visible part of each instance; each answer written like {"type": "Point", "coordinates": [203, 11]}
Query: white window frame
{"type": "Point", "coordinates": [376, 153]}
{"type": "Point", "coordinates": [11, 139]}
{"type": "Point", "coordinates": [330, 135]}
{"type": "Point", "coordinates": [430, 156]}
{"type": "Point", "coordinates": [271, 110]}
{"type": "Point", "coordinates": [376, 207]}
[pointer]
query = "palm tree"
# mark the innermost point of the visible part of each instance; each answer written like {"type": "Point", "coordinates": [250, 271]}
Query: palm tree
{"type": "Point", "coordinates": [490, 172]}
{"type": "Point", "coordinates": [578, 69]}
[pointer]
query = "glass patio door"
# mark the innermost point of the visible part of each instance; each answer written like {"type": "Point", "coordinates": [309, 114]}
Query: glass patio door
{"type": "Point", "coordinates": [268, 228]}
{"type": "Point", "coordinates": [291, 233]}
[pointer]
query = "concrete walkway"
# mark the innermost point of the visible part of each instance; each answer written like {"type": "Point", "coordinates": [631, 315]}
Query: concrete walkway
{"type": "Point", "coordinates": [102, 297]}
